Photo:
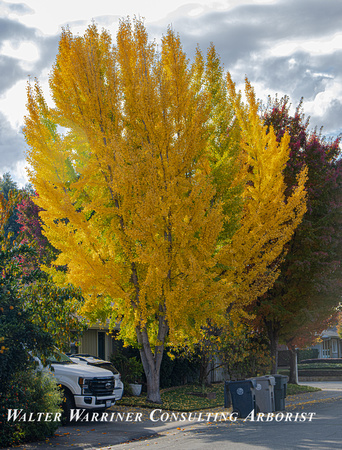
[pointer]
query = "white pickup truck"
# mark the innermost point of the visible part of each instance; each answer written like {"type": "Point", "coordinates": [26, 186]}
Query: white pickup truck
{"type": "Point", "coordinates": [84, 386]}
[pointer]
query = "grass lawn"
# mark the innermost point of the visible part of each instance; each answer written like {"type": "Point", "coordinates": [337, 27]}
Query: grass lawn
{"type": "Point", "coordinates": [293, 389]}
{"type": "Point", "coordinates": [182, 398]}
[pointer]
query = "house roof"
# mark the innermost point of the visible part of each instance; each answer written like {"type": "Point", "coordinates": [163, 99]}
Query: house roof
{"type": "Point", "coordinates": [330, 333]}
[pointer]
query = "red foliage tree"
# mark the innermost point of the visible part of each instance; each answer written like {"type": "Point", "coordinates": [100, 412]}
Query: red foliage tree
{"type": "Point", "coordinates": [31, 233]}
{"type": "Point", "coordinates": [307, 291]}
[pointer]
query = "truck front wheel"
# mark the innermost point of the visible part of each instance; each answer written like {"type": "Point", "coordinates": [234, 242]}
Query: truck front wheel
{"type": "Point", "coordinates": [67, 405]}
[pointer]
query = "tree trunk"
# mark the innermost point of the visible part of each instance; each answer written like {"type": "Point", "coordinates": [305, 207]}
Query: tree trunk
{"type": "Point", "coordinates": [152, 361]}
{"type": "Point", "coordinates": [293, 378]}
{"type": "Point", "coordinates": [152, 372]}
{"type": "Point", "coordinates": [203, 371]}
{"type": "Point", "coordinates": [274, 338]}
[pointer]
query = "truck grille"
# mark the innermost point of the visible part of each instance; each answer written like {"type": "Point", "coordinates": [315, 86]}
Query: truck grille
{"type": "Point", "coordinates": [102, 386]}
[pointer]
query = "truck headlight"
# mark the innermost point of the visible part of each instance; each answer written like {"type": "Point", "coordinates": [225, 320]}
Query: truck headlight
{"type": "Point", "coordinates": [85, 385]}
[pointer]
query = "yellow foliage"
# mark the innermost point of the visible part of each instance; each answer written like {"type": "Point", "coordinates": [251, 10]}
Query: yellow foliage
{"type": "Point", "coordinates": [123, 193]}
{"type": "Point", "coordinates": [252, 260]}
{"type": "Point", "coordinates": [135, 175]}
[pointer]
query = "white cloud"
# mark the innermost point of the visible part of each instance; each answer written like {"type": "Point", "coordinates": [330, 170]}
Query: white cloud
{"type": "Point", "coordinates": [14, 9]}
{"type": "Point", "coordinates": [26, 52]}
{"type": "Point", "coordinates": [12, 145]}
{"type": "Point", "coordinates": [50, 16]}
{"type": "Point", "coordinates": [326, 45]}
{"type": "Point", "coordinates": [13, 104]}
{"type": "Point", "coordinates": [326, 104]}
{"type": "Point", "coordinates": [291, 47]}
{"type": "Point", "coordinates": [18, 172]}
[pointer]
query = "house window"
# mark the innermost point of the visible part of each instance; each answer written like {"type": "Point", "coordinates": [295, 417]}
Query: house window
{"type": "Point", "coordinates": [326, 349]}
{"type": "Point", "coordinates": [334, 346]}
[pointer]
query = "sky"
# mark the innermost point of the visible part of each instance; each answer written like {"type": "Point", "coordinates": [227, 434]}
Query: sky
{"type": "Point", "coordinates": [284, 47]}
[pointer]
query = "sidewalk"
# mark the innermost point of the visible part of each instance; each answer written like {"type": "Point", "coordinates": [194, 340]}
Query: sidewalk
{"type": "Point", "coordinates": [331, 390]}
{"type": "Point", "coordinates": [293, 401]}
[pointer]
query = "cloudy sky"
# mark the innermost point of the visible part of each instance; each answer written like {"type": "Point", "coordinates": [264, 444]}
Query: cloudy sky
{"type": "Point", "coordinates": [291, 47]}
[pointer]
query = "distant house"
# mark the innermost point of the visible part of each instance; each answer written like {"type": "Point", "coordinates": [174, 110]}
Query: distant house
{"type": "Point", "coordinates": [330, 345]}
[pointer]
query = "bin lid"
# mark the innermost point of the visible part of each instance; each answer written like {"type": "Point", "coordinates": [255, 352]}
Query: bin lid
{"type": "Point", "coordinates": [278, 376]}
{"type": "Point", "coordinates": [281, 379]}
{"type": "Point", "coordinates": [266, 378]}
{"type": "Point", "coordinates": [248, 382]}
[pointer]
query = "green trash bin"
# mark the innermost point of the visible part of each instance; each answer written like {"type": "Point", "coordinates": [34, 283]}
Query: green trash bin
{"type": "Point", "coordinates": [264, 393]}
{"type": "Point", "coordinates": [242, 394]}
{"type": "Point", "coordinates": [280, 391]}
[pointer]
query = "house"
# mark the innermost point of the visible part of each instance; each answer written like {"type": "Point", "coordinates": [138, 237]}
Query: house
{"type": "Point", "coordinates": [330, 345]}
{"type": "Point", "coordinates": [97, 341]}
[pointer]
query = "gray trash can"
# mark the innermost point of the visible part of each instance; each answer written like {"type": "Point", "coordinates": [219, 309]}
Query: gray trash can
{"type": "Point", "coordinates": [264, 393]}
{"type": "Point", "coordinates": [243, 396]}
{"type": "Point", "coordinates": [280, 392]}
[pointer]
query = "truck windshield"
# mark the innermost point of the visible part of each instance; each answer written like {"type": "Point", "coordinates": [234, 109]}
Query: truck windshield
{"type": "Point", "coordinates": [58, 357]}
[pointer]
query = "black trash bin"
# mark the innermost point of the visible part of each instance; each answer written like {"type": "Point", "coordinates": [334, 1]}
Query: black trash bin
{"type": "Point", "coordinates": [280, 392]}
{"type": "Point", "coordinates": [242, 395]}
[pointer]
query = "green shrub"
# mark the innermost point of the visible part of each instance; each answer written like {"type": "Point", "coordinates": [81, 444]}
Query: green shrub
{"type": "Point", "coordinates": [328, 366]}
{"type": "Point", "coordinates": [174, 371]}
{"type": "Point", "coordinates": [20, 334]}
{"type": "Point", "coordinates": [178, 370]}
{"type": "Point", "coordinates": [30, 392]}
{"type": "Point", "coordinates": [310, 353]}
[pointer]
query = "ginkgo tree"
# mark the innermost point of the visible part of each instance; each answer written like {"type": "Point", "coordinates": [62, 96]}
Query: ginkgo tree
{"type": "Point", "coordinates": [123, 166]}
{"type": "Point", "coordinates": [251, 260]}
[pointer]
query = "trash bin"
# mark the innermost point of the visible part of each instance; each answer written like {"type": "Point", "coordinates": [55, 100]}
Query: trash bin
{"type": "Point", "coordinates": [242, 395]}
{"type": "Point", "coordinates": [280, 392]}
{"type": "Point", "coordinates": [264, 393]}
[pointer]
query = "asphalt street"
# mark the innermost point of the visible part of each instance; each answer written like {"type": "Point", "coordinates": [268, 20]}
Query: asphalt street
{"type": "Point", "coordinates": [323, 431]}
